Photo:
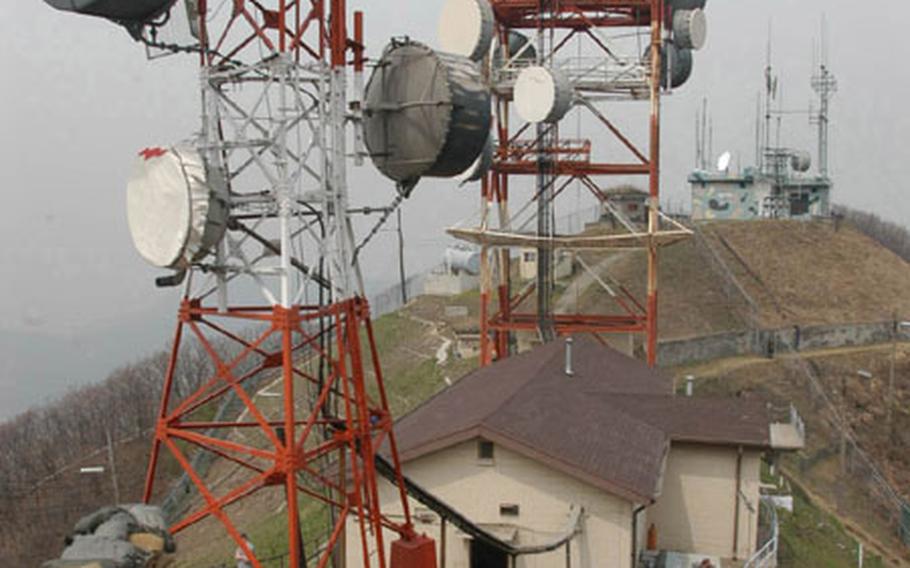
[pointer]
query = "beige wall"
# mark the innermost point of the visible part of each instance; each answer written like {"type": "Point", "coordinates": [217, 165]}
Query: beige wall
{"type": "Point", "coordinates": [544, 496]}
{"type": "Point", "coordinates": [695, 510]}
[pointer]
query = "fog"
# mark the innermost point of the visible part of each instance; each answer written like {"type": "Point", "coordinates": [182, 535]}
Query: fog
{"type": "Point", "coordinates": [79, 99]}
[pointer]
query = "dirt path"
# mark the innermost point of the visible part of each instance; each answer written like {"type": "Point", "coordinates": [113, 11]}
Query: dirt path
{"type": "Point", "coordinates": [442, 352]}
{"type": "Point", "coordinates": [721, 366]}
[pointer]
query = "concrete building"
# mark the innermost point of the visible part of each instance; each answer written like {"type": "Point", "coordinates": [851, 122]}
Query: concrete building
{"type": "Point", "coordinates": [627, 202]}
{"type": "Point", "coordinates": [753, 195]}
{"type": "Point", "coordinates": [523, 445]}
{"type": "Point", "coordinates": [527, 264]}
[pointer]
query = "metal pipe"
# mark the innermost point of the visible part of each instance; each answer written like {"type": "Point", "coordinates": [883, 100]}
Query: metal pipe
{"type": "Point", "coordinates": [657, 12]}
{"type": "Point", "coordinates": [739, 470]}
{"type": "Point", "coordinates": [635, 514]}
{"type": "Point", "coordinates": [442, 543]}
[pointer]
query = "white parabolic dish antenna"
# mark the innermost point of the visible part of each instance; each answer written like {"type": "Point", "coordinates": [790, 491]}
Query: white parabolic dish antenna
{"type": "Point", "coordinates": [176, 216]}
{"type": "Point", "coordinates": [542, 94]}
{"type": "Point", "coordinates": [723, 162]}
{"type": "Point", "coordinates": [466, 28]}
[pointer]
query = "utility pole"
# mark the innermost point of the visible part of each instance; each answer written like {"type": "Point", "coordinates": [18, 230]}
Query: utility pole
{"type": "Point", "coordinates": [404, 287]}
{"type": "Point", "coordinates": [845, 424]}
{"type": "Point", "coordinates": [112, 465]}
{"type": "Point", "coordinates": [895, 329]}
{"type": "Point", "coordinates": [897, 326]}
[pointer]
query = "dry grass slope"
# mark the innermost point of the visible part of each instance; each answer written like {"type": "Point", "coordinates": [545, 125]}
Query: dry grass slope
{"type": "Point", "coordinates": [798, 273]}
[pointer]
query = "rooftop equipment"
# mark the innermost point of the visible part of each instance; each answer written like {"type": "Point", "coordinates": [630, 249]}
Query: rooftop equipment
{"type": "Point", "coordinates": [723, 162]}
{"type": "Point", "coordinates": [800, 161]}
{"type": "Point", "coordinates": [426, 114]}
{"type": "Point", "coordinates": [176, 207]}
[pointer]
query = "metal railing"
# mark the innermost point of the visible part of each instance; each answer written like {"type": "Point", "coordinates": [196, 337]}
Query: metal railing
{"type": "Point", "coordinates": [766, 556]}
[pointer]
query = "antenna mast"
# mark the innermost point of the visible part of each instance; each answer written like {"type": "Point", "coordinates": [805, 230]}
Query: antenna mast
{"type": "Point", "coordinates": [824, 84]}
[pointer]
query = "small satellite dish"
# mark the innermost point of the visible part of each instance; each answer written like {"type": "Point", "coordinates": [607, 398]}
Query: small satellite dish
{"type": "Point", "coordinates": [176, 207]}
{"type": "Point", "coordinates": [690, 29]}
{"type": "Point", "coordinates": [723, 162]}
{"type": "Point", "coordinates": [466, 28]}
{"type": "Point", "coordinates": [542, 94]}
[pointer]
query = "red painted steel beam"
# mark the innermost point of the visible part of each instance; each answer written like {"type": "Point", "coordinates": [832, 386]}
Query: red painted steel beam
{"type": "Point", "coordinates": [569, 168]}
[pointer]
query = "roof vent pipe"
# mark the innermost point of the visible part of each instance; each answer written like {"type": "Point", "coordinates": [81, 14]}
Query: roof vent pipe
{"type": "Point", "coordinates": [569, 370]}
{"type": "Point", "coordinates": [690, 384]}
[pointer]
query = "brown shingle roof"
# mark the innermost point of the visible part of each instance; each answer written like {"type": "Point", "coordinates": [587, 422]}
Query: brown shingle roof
{"type": "Point", "coordinates": [723, 421]}
{"type": "Point", "coordinates": [609, 424]}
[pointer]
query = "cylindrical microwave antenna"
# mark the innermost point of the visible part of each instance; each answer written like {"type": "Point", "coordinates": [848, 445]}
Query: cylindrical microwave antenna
{"type": "Point", "coordinates": [426, 113]}
{"type": "Point", "coordinates": [125, 11]}
{"type": "Point", "coordinates": [676, 64]}
{"type": "Point", "coordinates": [690, 29]}
{"type": "Point", "coordinates": [521, 51]}
{"type": "Point", "coordinates": [481, 165]}
{"type": "Point", "coordinates": [542, 94]}
{"type": "Point", "coordinates": [466, 28]}
{"type": "Point", "coordinates": [177, 208]}
{"type": "Point", "coordinates": [686, 4]}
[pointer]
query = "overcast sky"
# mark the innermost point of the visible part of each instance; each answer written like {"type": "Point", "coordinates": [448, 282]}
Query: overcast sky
{"type": "Point", "coordinates": [80, 99]}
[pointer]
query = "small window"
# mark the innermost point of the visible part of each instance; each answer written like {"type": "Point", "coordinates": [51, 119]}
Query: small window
{"type": "Point", "coordinates": [485, 450]}
{"type": "Point", "coordinates": [530, 256]}
{"type": "Point", "coordinates": [508, 509]}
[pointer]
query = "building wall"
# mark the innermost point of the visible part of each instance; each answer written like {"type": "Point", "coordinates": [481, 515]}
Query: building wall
{"type": "Point", "coordinates": [477, 489]}
{"type": "Point", "coordinates": [728, 200]}
{"type": "Point", "coordinates": [449, 284]}
{"type": "Point", "coordinates": [696, 509]}
{"type": "Point", "coordinates": [527, 264]}
{"type": "Point", "coordinates": [749, 199]}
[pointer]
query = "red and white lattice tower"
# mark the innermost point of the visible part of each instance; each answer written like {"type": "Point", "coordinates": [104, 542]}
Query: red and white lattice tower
{"type": "Point", "coordinates": [272, 220]}
{"type": "Point", "coordinates": [618, 61]}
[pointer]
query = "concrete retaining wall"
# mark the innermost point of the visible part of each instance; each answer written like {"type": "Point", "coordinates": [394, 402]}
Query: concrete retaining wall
{"type": "Point", "coordinates": [767, 342]}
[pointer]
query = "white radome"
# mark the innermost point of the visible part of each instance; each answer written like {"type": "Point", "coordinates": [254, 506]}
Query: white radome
{"type": "Point", "coordinates": [173, 214]}
{"type": "Point", "coordinates": [466, 28]}
{"type": "Point", "coordinates": [542, 94]}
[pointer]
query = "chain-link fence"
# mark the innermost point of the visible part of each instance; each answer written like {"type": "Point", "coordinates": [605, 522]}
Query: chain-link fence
{"type": "Point", "coordinates": [835, 466]}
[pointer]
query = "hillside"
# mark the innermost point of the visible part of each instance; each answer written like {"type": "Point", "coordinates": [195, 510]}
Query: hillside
{"type": "Point", "coordinates": [850, 278]}
{"type": "Point", "coordinates": [411, 339]}
{"type": "Point", "coordinates": [796, 273]}
{"type": "Point", "coordinates": [850, 492]}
